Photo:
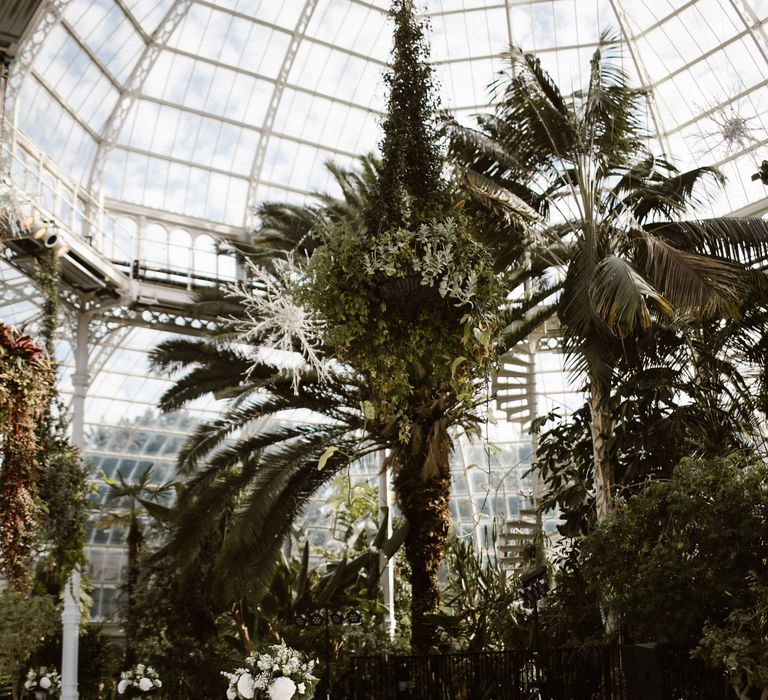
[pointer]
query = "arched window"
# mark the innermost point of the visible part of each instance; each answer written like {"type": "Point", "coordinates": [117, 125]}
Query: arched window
{"type": "Point", "coordinates": [205, 263]}
{"type": "Point", "coordinates": [180, 251]}
{"type": "Point", "coordinates": [154, 251]}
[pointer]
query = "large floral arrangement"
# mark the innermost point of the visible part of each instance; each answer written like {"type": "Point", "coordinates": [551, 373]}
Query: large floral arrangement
{"type": "Point", "coordinates": [42, 681]}
{"type": "Point", "coordinates": [279, 673]}
{"type": "Point", "coordinates": [408, 300]}
{"type": "Point", "coordinates": [139, 680]}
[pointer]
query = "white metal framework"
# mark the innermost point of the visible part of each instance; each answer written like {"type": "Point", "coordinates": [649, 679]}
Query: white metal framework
{"type": "Point", "coordinates": [147, 131]}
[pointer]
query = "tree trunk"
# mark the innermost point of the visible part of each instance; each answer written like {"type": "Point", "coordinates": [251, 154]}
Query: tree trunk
{"type": "Point", "coordinates": [135, 542]}
{"type": "Point", "coordinates": [601, 426]}
{"type": "Point", "coordinates": [423, 487]}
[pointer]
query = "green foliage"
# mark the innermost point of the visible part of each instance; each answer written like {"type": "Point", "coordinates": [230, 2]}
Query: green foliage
{"type": "Point", "coordinates": [674, 556]}
{"type": "Point", "coordinates": [570, 614]}
{"type": "Point", "coordinates": [410, 187]}
{"type": "Point", "coordinates": [26, 384]}
{"type": "Point", "coordinates": [441, 328]}
{"type": "Point", "coordinates": [689, 397]}
{"type": "Point", "coordinates": [626, 261]}
{"type": "Point", "coordinates": [481, 608]}
{"type": "Point", "coordinates": [26, 622]}
{"type": "Point", "coordinates": [180, 628]}
{"type": "Point", "coordinates": [740, 643]}
{"type": "Point", "coordinates": [63, 490]}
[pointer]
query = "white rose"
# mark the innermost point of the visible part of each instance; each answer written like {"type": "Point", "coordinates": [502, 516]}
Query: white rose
{"type": "Point", "coordinates": [281, 688]}
{"type": "Point", "coordinates": [302, 688]}
{"type": "Point", "coordinates": [145, 684]}
{"type": "Point", "coordinates": [29, 684]}
{"type": "Point", "coordinates": [121, 686]}
{"type": "Point", "coordinates": [231, 693]}
{"type": "Point", "coordinates": [45, 682]}
{"type": "Point", "coordinates": [245, 686]}
{"type": "Point", "coordinates": [158, 683]}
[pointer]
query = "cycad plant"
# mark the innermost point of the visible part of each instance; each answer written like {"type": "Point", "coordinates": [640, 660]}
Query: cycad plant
{"type": "Point", "coordinates": [402, 296]}
{"type": "Point", "coordinates": [609, 250]}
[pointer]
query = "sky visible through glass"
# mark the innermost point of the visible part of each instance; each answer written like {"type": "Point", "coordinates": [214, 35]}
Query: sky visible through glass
{"type": "Point", "coordinates": [185, 114]}
{"type": "Point", "coordinates": [207, 108]}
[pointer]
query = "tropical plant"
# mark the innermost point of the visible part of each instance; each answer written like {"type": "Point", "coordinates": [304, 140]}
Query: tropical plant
{"type": "Point", "coordinates": [481, 608]}
{"type": "Point", "coordinates": [702, 530]}
{"type": "Point", "coordinates": [411, 369]}
{"type": "Point", "coordinates": [410, 302]}
{"type": "Point", "coordinates": [132, 499]}
{"type": "Point", "coordinates": [64, 481]}
{"type": "Point", "coordinates": [27, 621]}
{"type": "Point", "coordinates": [740, 644]}
{"type": "Point", "coordinates": [609, 252]}
{"type": "Point", "coordinates": [693, 396]}
{"type": "Point", "coordinates": [26, 384]}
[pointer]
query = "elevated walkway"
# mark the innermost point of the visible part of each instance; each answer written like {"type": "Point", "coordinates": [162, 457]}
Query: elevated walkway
{"type": "Point", "coordinates": [142, 265]}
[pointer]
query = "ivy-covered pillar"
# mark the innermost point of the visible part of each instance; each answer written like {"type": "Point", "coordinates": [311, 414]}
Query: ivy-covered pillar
{"type": "Point", "coordinates": [70, 617]}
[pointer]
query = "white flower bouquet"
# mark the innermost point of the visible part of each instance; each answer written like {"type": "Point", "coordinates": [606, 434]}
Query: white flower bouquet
{"type": "Point", "coordinates": [43, 683]}
{"type": "Point", "coordinates": [138, 681]}
{"type": "Point", "coordinates": [280, 673]}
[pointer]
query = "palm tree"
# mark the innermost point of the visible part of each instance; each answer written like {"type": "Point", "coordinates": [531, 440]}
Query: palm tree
{"type": "Point", "coordinates": [603, 221]}
{"type": "Point", "coordinates": [253, 467]}
{"type": "Point", "coordinates": [133, 499]}
{"type": "Point", "coordinates": [261, 481]}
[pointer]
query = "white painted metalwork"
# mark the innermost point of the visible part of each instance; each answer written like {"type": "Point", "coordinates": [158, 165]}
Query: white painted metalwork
{"type": "Point", "coordinates": [132, 90]}
{"type": "Point", "coordinates": [642, 71]}
{"type": "Point", "coordinates": [274, 104]}
{"type": "Point", "coordinates": [49, 18]}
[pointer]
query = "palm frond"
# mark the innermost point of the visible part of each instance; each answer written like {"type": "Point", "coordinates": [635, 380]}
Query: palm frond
{"type": "Point", "coordinates": [537, 122]}
{"type": "Point", "coordinates": [177, 353]}
{"type": "Point", "coordinates": [521, 328]}
{"type": "Point", "coordinates": [695, 284]}
{"type": "Point", "coordinates": [732, 238]}
{"type": "Point", "coordinates": [618, 294]}
{"type": "Point", "coordinates": [612, 109]}
{"type": "Point", "coordinates": [499, 199]}
{"type": "Point", "coordinates": [666, 197]}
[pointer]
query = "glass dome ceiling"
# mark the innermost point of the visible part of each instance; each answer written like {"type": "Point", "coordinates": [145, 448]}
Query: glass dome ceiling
{"type": "Point", "coordinates": [182, 115]}
{"type": "Point", "coordinates": [206, 108]}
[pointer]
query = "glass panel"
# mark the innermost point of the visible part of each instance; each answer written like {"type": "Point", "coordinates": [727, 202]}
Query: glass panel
{"type": "Point", "coordinates": [105, 30]}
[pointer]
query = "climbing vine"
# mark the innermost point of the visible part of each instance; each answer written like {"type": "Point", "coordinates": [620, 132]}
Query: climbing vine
{"type": "Point", "coordinates": [26, 383]}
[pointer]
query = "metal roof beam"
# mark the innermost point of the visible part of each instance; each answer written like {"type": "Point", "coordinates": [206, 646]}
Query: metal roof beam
{"type": "Point", "coordinates": [133, 86]}
{"type": "Point", "coordinates": [50, 16]}
{"type": "Point", "coordinates": [267, 79]}
{"type": "Point", "coordinates": [274, 104]}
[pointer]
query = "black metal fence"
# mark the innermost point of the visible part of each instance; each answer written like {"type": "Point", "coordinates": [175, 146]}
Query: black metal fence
{"type": "Point", "coordinates": [606, 673]}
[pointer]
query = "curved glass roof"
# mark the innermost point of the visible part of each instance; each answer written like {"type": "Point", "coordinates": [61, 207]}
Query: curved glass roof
{"type": "Point", "coordinates": [183, 115]}
{"type": "Point", "coordinates": [207, 107]}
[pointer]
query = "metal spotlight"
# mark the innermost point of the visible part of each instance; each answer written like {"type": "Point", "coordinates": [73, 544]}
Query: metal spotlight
{"type": "Point", "coordinates": [51, 238]}
{"type": "Point", "coordinates": [337, 617]}
{"type": "Point", "coordinates": [302, 620]}
{"type": "Point", "coordinates": [354, 617]}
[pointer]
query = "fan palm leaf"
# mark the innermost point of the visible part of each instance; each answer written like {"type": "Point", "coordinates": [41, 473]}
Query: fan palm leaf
{"type": "Point", "coordinates": [630, 264]}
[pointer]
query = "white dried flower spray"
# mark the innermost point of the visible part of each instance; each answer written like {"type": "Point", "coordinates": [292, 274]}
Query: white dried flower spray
{"type": "Point", "coordinates": [276, 321]}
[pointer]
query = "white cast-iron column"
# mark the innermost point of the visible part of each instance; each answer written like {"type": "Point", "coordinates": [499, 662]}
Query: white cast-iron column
{"type": "Point", "coordinates": [70, 617]}
{"type": "Point", "coordinates": [386, 566]}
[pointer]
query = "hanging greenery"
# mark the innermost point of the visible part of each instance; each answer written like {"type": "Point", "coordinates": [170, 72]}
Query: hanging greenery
{"type": "Point", "coordinates": [63, 481]}
{"type": "Point", "coordinates": [408, 298]}
{"type": "Point", "coordinates": [406, 306]}
{"type": "Point", "coordinates": [26, 383]}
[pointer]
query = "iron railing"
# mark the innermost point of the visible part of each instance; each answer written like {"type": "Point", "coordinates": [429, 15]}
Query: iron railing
{"type": "Point", "coordinates": [600, 673]}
